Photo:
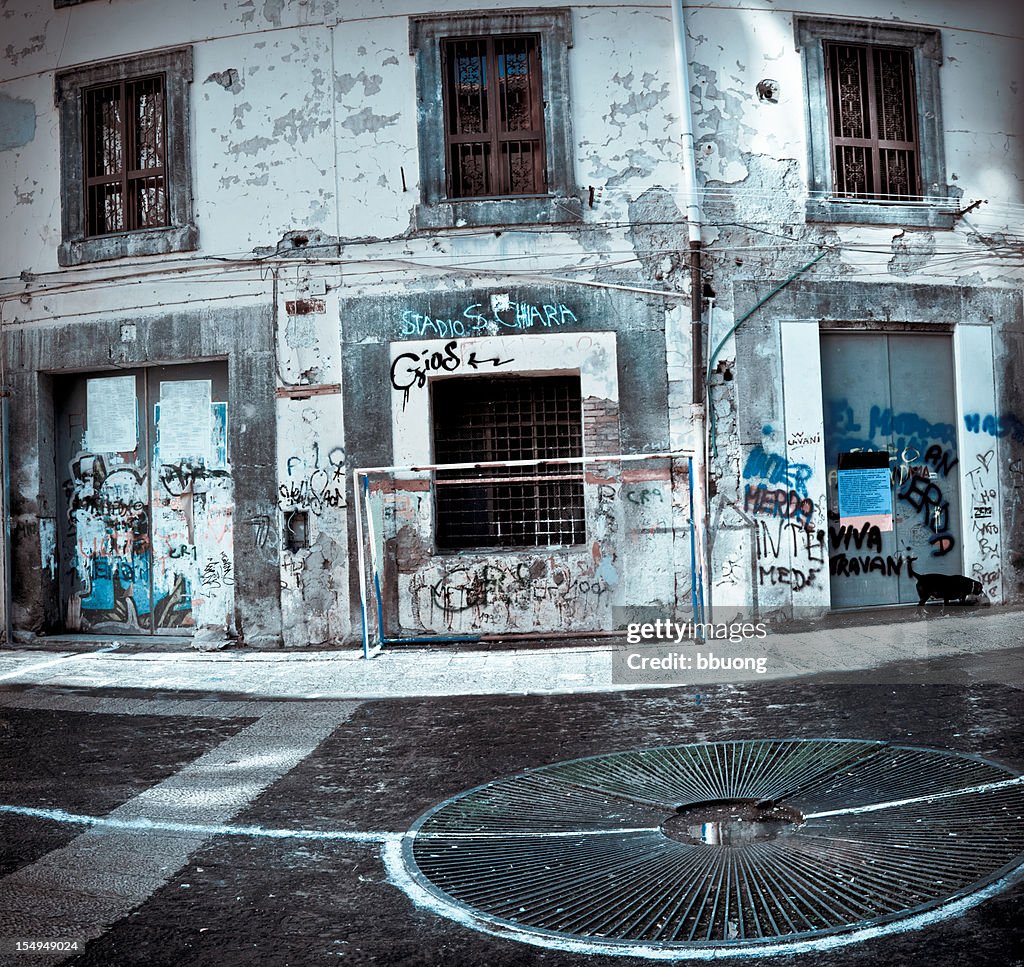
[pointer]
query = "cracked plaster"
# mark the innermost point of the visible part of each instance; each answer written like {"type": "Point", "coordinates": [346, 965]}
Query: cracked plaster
{"type": "Point", "coordinates": [366, 121]}
{"type": "Point", "coordinates": [911, 252]}
{"type": "Point", "coordinates": [35, 43]}
{"type": "Point", "coordinates": [228, 79]}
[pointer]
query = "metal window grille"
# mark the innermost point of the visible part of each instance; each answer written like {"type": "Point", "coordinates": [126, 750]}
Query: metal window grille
{"type": "Point", "coordinates": [508, 418]}
{"type": "Point", "coordinates": [124, 152]}
{"type": "Point", "coordinates": [494, 136]}
{"type": "Point", "coordinates": [873, 119]}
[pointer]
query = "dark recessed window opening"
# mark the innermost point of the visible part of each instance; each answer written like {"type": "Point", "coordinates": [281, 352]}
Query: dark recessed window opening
{"type": "Point", "coordinates": [124, 155]}
{"type": "Point", "coordinates": [873, 121]}
{"type": "Point", "coordinates": [494, 122]}
{"type": "Point", "coordinates": [507, 419]}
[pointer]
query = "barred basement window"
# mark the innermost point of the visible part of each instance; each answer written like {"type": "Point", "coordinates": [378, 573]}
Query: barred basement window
{"type": "Point", "coordinates": [125, 179]}
{"type": "Point", "coordinates": [873, 122]}
{"type": "Point", "coordinates": [494, 116]}
{"type": "Point", "coordinates": [508, 419]}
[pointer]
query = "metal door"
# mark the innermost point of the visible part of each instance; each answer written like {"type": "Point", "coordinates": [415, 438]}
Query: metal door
{"type": "Point", "coordinates": [146, 540]}
{"type": "Point", "coordinates": [892, 392]}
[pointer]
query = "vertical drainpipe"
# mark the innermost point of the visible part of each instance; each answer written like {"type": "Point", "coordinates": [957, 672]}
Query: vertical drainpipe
{"type": "Point", "coordinates": [694, 220]}
{"type": "Point", "coordinates": [5, 520]}
{"type": "Point", "coordinates": [5, 483]}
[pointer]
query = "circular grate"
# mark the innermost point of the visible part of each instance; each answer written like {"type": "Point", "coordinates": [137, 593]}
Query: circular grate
{"type": "Point", "coordinates": [721, 845]}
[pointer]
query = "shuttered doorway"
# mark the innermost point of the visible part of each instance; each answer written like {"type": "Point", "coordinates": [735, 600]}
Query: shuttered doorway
{"type": "Point", "coordinates": [892, 392]}
{"type": "Point", "coordinates": [145, 537]}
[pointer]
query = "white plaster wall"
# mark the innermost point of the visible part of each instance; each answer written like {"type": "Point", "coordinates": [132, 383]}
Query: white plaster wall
{"type": "Point", "coordinates": [625, 115]}
{"type": "Point", "coordinates": [802, 539]}
{"type": "Point", "coordinates": [263, 145]}
{"type": "Point", "coordinates": [285, 148]}
{"type": "Point", "coordinates": [982, 453]}
{"type": "Point", "coordinates": [311, 457]}
{"type": "Point", "coordinates": [754, 152]}
{"type": "Point", "coordinates": [375, 105]}
{"type": "Point", "coordinates": [279, 147]}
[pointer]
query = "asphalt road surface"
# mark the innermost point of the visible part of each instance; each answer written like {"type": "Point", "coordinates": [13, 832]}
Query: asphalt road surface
{"type": "Point", "coordinates": [188, 891]}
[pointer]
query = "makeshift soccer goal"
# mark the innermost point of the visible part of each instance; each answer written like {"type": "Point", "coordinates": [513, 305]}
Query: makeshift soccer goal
{"type": "Point", "coordinates": [574, 546]}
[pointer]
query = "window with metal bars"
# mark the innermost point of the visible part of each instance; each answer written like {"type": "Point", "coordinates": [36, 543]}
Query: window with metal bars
{"type": "Point", "coordinates": [873, 122]}
{"type": "Point", "coordinates": [124, 152]}
{"type": "Point", "coordinates": [494, 128]}
{"type": "Point", "coordinates": [494, 116]}
{"type": "Point", "coordinates": [482, 420]}
{"type": "Point", "coordinates": [126, 178]}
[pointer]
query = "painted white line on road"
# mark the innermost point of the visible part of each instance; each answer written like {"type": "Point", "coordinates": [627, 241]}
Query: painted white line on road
{"type": "Point", "coordinates": [115, 865]}
{"type": "Point", "coordinates": [31, 669]}
{"type": "Point", "coordinates": [203, 829]}
{"type": "Point", "coordinates": [931, 797]}
{"type": "Point", "coordinates": [346, 835]}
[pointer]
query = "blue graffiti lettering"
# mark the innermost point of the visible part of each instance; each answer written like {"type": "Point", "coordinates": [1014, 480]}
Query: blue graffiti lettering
{"type": "Point", "coordinates": [998, 426]}
{"type": "Point", "coordinates": [886, 423]}
{"type": "Point", "coordinates": [777, 470]}
{"type": "Point", "coordinates": [472, 320]}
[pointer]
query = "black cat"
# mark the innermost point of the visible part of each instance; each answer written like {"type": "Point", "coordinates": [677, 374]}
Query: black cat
{"type": "Point", "coordinates": [949, 587]}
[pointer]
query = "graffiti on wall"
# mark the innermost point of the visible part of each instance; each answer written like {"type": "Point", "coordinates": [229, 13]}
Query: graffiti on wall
{"type": "Point", "coordinates": [411, 370]}
{"type": "Point", "coordinates": [858, 550]}
{"type": "Point", "coordinates": [636, 554]}
{"type": "Point", "coordinates": [762, 501]}
{"type": "Point", "coordinates": [983, 523]}
{"type": "Point", "coordinates": [495, 594]}
{"type": "Point", "coordinates": [313, 487]}
{"type": "Point", "coordinates": [475, 320]}
{"type": "Point", "coordinates": [790, 553]}
{"type": "Point", "coordinates": [774, 470]}
{"type": "Point", "coordinates": [139, 542]}
{"type": "Point", "coordinates": [109, 523]}
{"type": "Point", "coordinates": [789, 546]}
{"type": "Point", "coordinates": [922, 460]}
{"type": "Point", "coordinates": [1004, 425]}
{"type": "Point", "coordinates": [193, 523]}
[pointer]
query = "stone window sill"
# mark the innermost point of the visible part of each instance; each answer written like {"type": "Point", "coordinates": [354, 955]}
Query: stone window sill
{"type": "Point", "coordinates": [154, 241]}
{"type": "Point", "coordinates": [846, 212]}
{"type": "Point", "coordinates": [532, 210]}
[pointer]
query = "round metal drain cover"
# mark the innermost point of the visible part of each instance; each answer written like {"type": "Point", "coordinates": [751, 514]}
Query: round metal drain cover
{"type": "Point", "coordinates": [721, 846]}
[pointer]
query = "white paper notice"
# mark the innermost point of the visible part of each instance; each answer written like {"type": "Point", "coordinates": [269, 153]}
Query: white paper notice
{"type": "Point", "coordinates": [186, 427]}
{"type": "Point", "coordinates": [111, 414]}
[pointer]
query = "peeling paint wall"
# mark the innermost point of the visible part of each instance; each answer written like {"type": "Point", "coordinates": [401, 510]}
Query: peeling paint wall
{"type": "Point", "coordinates": [771, 544]}
{"type": "Point", "coordinates": [306, 178]}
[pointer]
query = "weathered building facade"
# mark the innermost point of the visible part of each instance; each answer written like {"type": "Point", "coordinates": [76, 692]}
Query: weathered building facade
{"type": "Point", "coordinates": [320, 316]}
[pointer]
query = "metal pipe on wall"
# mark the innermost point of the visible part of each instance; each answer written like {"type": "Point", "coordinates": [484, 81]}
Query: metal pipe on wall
{"type": "Point", "coordinates": [694, 219]}
{"type": "Point", "coordinates": [5, 517]}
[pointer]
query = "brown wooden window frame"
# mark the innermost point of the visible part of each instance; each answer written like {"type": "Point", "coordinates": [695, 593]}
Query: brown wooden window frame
{"type": "Point", "coordinates": [88, 238]}
{"type": "Point", "coordinates": [932, 204]}
{"type": "Point", "coordinates": [559, 201]}
{"type": "Point", "coordinates": [873, 113]}
{"type": "Point", "coordinates": [494, 140]}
